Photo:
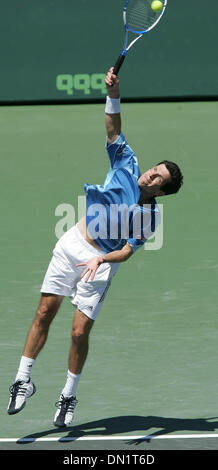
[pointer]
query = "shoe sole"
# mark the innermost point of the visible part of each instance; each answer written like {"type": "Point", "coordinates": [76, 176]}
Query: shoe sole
{"type": "Point", "coordinates": [14, 412]}
{"type": "Point", "coordinates": [60, 425]}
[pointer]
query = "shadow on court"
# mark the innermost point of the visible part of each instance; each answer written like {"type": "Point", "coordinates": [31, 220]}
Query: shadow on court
{"type": "Point", "coordinates": [127, 424]}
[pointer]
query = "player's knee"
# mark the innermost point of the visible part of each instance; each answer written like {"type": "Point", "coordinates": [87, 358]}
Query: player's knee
{"type": "Point", "coordinates": [44, 316]}
{"type": "Point", "coordinates": [79, 336]}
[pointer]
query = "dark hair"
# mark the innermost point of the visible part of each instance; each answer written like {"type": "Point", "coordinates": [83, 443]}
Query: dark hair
{"type": "Point", "coordinates": [176, 182]}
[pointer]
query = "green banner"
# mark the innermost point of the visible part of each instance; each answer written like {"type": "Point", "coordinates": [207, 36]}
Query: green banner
{"type": "Point", "coordinates": [52, 50]}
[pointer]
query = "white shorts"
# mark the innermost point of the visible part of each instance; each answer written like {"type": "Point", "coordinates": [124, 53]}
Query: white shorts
{"type": "Point", "coordinates": [64, 278]}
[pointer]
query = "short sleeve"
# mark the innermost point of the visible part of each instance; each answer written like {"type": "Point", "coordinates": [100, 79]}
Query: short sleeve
{"type": "Point", "coordinates": [136, 243]}
{"type": "Point", "coordinates": [121, 155]}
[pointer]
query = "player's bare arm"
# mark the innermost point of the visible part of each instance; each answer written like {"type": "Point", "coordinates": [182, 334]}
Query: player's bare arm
{"type": "Point", "coordinates": [112, 121]}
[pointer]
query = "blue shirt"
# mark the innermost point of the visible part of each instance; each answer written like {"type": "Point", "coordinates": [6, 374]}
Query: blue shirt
{"type": "Point", "coordinates": [113, 216]}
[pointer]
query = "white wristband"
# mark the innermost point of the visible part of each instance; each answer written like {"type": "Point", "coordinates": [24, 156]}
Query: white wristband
{"type": "Point", "coordinates": [112, 105]}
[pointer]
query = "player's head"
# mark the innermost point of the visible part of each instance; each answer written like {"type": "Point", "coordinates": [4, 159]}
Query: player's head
{"type": "Point", "coordinates": [173, 185]}
{"type": "Point", "coordinates": [163, 179]}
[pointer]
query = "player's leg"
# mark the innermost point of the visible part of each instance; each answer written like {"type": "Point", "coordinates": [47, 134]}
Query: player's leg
{"type": "Point", "coordinates": [80, 341]}
{"type": "Point", "coordinates": [23, 387]}
{"type": "Point", "coordinates": [36, 338]}
{"type": "Point", "coordinates": [60, 279]}
{"type": "Point", "coordinates": [78, 352]}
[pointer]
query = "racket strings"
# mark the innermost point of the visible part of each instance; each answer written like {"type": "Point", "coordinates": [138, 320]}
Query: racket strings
{"type": "Point", "coordinates": [140, 16]}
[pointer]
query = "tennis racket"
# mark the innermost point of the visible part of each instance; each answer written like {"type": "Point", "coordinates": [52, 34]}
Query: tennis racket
{"type": "Point", "coordinates": [138, 18]}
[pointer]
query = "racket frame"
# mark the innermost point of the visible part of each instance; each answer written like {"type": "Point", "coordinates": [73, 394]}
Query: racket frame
{"type": "Point", "coordinates": [126, 47]}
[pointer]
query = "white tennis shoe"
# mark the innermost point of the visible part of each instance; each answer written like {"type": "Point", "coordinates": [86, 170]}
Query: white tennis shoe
{"type": "Point", "coordinates": [20, 390]}
{"type": "Point", "coordinates": [64, 414]}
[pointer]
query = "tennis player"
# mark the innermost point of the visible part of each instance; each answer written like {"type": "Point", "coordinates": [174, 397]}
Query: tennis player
{"type": "Point", "coordinates": [121, 215]}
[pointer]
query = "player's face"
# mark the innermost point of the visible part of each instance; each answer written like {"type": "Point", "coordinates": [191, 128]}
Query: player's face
{"type": "Point", "coordinates": [155, 177]}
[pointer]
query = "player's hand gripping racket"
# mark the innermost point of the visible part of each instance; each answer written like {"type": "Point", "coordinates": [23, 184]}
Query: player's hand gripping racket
{"type": "Point", "coordinates": [139, 18]}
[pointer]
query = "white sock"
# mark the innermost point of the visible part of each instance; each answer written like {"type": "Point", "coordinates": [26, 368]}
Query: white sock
{"type": "Point", "coordinates": [71, 384]}
{"type": "Point", "coordinates": [25, 369]}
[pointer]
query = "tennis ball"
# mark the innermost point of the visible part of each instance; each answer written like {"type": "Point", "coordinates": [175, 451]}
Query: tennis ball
{"type": "Point", "coordinates": [157, 5]}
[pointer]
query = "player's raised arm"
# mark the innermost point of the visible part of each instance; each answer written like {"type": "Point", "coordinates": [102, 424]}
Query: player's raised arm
{"type": "Point", "coordinates": [112, 109]}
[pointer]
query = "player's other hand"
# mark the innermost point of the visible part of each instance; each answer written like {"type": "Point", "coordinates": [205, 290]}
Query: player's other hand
{"type": "Point", "coordinates": [91, 267]}
{"type": "Point", "coordinates": [112, 84]}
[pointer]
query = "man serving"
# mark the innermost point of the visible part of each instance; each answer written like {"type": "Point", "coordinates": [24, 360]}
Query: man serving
{"type": "Point", "coordinates": [121, 215]}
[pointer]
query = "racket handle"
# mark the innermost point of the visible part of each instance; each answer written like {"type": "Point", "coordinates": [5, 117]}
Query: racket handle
{"type": "Point", "coordinates": [118, 63]}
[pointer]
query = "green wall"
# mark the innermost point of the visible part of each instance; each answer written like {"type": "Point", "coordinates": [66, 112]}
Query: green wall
{"type": "Point", "coordinates": [52, 50]}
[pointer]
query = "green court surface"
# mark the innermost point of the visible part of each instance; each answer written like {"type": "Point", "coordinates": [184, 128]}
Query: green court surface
{"type": "Point", "coordinates": [152, 364]}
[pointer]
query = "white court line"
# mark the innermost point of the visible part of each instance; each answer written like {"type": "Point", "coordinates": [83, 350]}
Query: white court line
{"type": "Point", "coordinates": [106, 438]}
